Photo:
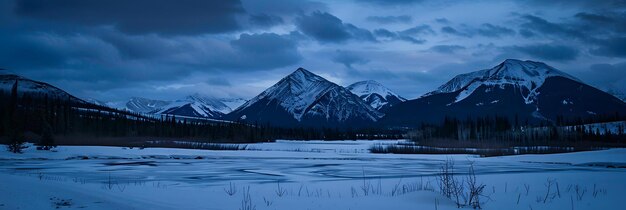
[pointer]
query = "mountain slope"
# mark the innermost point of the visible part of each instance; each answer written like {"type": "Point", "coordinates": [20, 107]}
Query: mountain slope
{"type": "Point", "coordinates": [375, 94]}
{"type": "Point", "coordinates": [305, 99]}
{"type": "Point", "coordinates": [195, 106]}
{"type": "Point", "coordinates": [523, 90]}
{"type": "Point", "coordinates": [26, 85]}
{"type": "Point", "coordinates": [144, 105]}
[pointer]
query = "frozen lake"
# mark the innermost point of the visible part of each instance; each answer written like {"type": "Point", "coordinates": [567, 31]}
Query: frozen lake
{"type": "Point", "coordinates": [298, 175]}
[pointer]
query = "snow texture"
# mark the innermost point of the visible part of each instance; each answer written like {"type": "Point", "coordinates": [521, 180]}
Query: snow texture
{"type": "Point", "coordinates": [527, 76]}
{"type": "Point", "coordinates": [301, 93]}
{"type": "Point", "coordinates": [299, 175]}
{"type": "Point", "coordinates": [374, 93]}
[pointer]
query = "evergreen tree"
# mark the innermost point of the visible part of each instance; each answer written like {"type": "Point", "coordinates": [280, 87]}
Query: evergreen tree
{"type": "Point", "coordinates": [16, 138]}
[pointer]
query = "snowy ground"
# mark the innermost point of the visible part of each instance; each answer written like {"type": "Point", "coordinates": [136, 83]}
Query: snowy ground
{"type": "Point", "coordinates": [299, 175]}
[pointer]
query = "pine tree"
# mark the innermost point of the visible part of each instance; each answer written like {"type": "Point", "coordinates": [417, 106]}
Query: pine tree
{"type": "Point", "coordinates": [16, 138]}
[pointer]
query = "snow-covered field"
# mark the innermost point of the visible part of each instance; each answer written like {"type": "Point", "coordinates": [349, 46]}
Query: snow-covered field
{"type": "Point", "coordinates": [300, 175]}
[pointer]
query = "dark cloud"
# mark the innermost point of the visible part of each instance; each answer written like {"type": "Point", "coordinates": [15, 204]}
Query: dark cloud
{"type": "Point", "coordinates": [453, 31]}
{"type": "Point", "coordinates": [489, 30]}
{"type": "Point", "coordinates": [447, 49]}
{"type": "Point", "coordinates": [611, 47]}
{"type": "Point", "coordinates": [385, 33]}
{"type": "Point", "coordinates": [594, 17]}
{"type": "Point", "coordinates": [411, 39]}
{"type": "Point", "coordinates": [23, 52]}
{"type": "Point", "coordinates": [606, 22]}
{"type": "Point", "coordinates": [265, 20]}
{"type": "Point", "coordinates": [390, 2]}
{"type": "Point", "coordinates": [442, 20]}
{"type": "Point", "coordinates": [417, 30]}
{"type": "Point", "coordinates": [265, 51]}
{"type": "Point", "coordinates": [542, 26]}
{"type": "Point", "coordinates": [388, 35]}
{"type": "Point", "coordinates": [390, 19]}
{"type": "Point", "coordinates": [602, 4]}
{"type": "Point", "coordinates": [141, 16]}
{"type": "Point", "coordinates": [408, 35]}
{"type": "Point", "coordinates": [327, 28]}
{"type": "Point", "coordinates": [605, 76]}
{"type": "Point", "coordinates": [133, 47]}
{"type": "Point", "coordinates": [547, 52]}
{"type": "Point", "coordinates": [526, 33]}
{"type": "Point", "coordinates": [283, 8]}
{"type": "Point", "coordinates": [347, 58]}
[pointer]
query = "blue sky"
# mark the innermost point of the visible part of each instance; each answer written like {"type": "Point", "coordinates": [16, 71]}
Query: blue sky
{"type": "Point", "coordinates": [112, 50]}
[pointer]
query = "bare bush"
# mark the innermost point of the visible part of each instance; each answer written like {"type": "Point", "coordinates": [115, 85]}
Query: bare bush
{"type": "Point", "coordinates": [246, 202]}
{"type": "Point", "coordinates": [475, 190]}
{"type": "Point", "coordinates": [231, 190]}
{"type": "Point", "coordinates": [280, 191]}
{"type": "Point", "coordinates": [580, 192]}
{"type": "Point", "coordinates": [267, 202]}
{"type": "Point", "coordinates": [466, 192]}
{"type": "Point", "coordinates": [366, 185]}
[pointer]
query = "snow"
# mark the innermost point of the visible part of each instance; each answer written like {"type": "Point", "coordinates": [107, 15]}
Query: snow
{"type": "Point", "coordinates": [370, 90]}
{"type": "Point", "coordinates": [299, 94]}
{"type": "Point", "coordinates": [567, 102]}
{"type": "Point", "coordinates": [525, 75]}
{"type": "Point", "coordinates": [312, 175]}
{"type": "Point", "coordinates": [603, 128]}
{"type": "Point", "coordinates": [31, 86]}
{"type": "Point", "coordinates": [369, 87]}
{"type": "Point", "coordinates": [232, 103]}
{"type": "Point", "coordinates": [144, 105]}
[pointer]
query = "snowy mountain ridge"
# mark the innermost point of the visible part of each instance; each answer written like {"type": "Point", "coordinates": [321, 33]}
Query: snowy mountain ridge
{"type": "Point", "coordinates": [305, 96]}
{"type": "Point", "coordinates": [32, 86]}
{"type": "Point", "coordinates": [528, 76]}
{"type": "Point", "coordinates": [375, 94]}
{"type": "Point", "coordinates": [195, 105]}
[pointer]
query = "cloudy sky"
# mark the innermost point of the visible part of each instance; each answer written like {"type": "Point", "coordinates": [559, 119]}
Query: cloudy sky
{"type": "Point", "coordinates": [112, 50]}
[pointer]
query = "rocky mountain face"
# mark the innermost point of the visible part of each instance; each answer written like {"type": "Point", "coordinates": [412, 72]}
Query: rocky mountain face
{"type": "Point", "coordinates": [375, 94]}
{"type": "Point", "coordinates": [305, 99]}
{"type": "Point", "coordinates": [524, 90]}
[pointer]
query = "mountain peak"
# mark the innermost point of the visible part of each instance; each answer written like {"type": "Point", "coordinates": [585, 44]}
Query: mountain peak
{"type": "Point", "coordinates": [529, 75]}
{"type": "Point", "coordinates": [370, 87]}
{"type": "Point", "coordinates": [375, 94]}
{"type": "Point", "coordinates": [302, 74]}
{"type": "Point", "coordinates": [304, 96]}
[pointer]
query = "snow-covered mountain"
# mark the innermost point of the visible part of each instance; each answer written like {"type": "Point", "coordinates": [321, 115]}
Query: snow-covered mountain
{"type": "Point", "coordinates": [375, 94]}
{"type": "Point", "coordinates": [306, 99]}
{"type": "Point", "coordinates": [144, 105]}
{"type": "Point", "coordinates": [524, 90]}
{"type": "Point", "coordinates": [528, 76]}
{"type": "Point", "coordinates": [195, 105]}
{"type": "Point", "coordinates": [26, 85]}
{"type": "Point", "coordinates": [233, 103]}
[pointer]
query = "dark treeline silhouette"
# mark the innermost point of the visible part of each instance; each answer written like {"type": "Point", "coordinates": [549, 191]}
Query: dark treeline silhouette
{"type": "Point", "coordinates": [495, 130]}
{"type": "Point", "coordinates": [49, 120]}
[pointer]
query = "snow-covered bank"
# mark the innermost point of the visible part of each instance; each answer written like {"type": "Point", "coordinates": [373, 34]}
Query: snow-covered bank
{"type": "Point", "coordinates": [298, 175]}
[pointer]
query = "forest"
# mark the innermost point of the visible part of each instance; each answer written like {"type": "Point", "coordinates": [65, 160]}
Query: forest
{"type": "Point", "coordinates": [50, 121]}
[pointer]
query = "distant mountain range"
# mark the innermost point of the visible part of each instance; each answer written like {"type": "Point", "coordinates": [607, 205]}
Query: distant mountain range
{"type": "Point", "coordinates": [196, 106]}
{"type": "Point", "coordinates": [525, 91]}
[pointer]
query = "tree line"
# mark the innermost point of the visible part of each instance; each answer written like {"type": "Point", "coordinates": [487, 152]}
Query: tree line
{"type": "Point", "coordinates": [50, 120]}
{"type": "Point", "coordinates": [514, 132]}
